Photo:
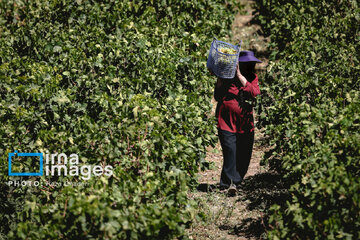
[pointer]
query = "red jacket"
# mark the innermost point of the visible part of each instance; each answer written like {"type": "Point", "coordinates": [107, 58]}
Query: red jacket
{"type": "Point", "coordinates": [234, 111]}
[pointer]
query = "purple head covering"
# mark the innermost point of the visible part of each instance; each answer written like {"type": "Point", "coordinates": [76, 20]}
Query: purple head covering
{"type": "Point", "coordinates": [248, 56]}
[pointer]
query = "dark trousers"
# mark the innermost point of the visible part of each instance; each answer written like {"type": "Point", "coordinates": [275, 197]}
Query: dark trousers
{"type": "Point", "coordinates": [237, 150]}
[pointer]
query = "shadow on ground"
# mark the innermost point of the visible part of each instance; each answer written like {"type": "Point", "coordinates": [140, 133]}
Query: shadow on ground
{"type": "Point", "coordinates": [259, 192]}
{"type": "Point", "coordinates": [205, 187]}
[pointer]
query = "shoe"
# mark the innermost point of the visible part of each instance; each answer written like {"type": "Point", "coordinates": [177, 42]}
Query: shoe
{"type": "Point", "coordinates": [232, 190]}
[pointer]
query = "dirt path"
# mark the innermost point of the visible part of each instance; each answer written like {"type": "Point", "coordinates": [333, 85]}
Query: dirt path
{"type": "Point", "coordinates": [238, 217]}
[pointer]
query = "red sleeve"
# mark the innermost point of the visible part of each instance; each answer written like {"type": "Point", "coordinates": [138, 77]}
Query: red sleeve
{"type": "Point", "coordinates": [252, 87]}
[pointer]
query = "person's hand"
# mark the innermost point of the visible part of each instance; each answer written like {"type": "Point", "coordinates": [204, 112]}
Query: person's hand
{"type": "Point", "coordinates": [238, 73]}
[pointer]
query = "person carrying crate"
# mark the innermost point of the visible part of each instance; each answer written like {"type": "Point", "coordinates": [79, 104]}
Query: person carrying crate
{"type": "Point", "coordinates": [235, 120]}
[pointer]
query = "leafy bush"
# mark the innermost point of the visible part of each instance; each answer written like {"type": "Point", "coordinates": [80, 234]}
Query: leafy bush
{"type": "Point", "coordinates": [311, 114]}
{"type": "Point", "coordinates": [122, 83]}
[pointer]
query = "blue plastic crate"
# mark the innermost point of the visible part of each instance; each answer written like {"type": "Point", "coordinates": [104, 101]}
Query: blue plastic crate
{"type": "Point", "coordinates": [223, 65]}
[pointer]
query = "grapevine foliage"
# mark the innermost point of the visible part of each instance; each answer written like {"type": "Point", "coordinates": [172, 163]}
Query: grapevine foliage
{"type": "Point", "coordinates": [120, 83]}
{"type": "Point", "coordinates": [310, 108]}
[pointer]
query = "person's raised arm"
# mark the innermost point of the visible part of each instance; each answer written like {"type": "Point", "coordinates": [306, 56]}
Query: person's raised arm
{"type": "Point", "coordinates": [219, 90]}
{"type": "Point", "coordinates": [250, 87]}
